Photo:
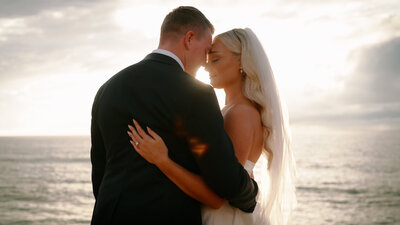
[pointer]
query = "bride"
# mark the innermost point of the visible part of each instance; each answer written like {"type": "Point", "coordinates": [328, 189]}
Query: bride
{"type": "Point", "coordinates": [257, 123]}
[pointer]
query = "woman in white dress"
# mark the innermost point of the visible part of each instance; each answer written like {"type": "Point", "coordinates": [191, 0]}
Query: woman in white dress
{"type": "Point", "coordinates": [257, 123]}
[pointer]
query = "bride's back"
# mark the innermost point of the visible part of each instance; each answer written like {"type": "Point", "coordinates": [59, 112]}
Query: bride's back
{"type": "Point", "coordinates": [245, 117]}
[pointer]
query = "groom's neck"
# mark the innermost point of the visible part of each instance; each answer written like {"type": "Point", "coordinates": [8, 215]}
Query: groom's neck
{"type": "Point", "coordinates": [173, 47]}
{"type": "Point", "coordinates": [178, 49]}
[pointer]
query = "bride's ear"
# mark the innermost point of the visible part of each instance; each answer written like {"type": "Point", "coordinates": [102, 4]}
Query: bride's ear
{"type": "Point", "coordinates": [189, 36]}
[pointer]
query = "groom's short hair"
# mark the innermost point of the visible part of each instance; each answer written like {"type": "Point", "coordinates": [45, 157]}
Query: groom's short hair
{"type": "Point", "coordinates": [184, 19]}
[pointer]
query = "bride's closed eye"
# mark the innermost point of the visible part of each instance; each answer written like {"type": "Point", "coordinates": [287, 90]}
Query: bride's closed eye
{"type": "Point", "coordinates": [214, 60]}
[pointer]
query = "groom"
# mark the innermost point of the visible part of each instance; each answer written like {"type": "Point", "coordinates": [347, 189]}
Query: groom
{"type": "Point", "coordinates": [161, 92]}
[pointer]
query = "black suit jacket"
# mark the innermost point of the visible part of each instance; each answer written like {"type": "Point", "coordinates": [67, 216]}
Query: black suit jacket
{"type": "Point", "coordinates": [185, 113]}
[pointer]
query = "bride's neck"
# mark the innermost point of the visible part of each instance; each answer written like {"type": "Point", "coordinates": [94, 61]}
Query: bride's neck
{"type": "Point", "coordinates": [233, 94]}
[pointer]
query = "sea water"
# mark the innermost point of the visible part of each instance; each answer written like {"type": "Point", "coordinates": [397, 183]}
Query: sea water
{"type": "Point", "coordinates": [342, 178]}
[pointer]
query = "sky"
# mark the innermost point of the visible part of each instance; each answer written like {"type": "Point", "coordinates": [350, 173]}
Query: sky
{"type": "Point", "coordinates": [337, 63]}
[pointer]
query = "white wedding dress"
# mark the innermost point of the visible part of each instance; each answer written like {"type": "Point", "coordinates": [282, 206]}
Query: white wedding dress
{"type": "Point", "coordinates": [228, 215]}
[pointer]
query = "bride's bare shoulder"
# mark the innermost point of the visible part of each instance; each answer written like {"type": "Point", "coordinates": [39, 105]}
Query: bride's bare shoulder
{"type": "Point", "coordinates": [246, 112]}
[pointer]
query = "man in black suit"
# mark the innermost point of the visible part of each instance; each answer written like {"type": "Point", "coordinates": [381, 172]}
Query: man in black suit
{"type": "Point", "coordinates": [160, 92]}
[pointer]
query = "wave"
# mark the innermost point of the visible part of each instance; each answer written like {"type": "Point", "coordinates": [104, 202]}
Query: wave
{"type": "Point", "coordinates": [338, 201]}
{"type": "Point", "coordinates": [45, 160]}
{"type": "Point", "coordinates": [352, 191]}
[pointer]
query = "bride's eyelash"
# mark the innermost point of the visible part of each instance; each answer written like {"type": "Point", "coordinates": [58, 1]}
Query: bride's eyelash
{"type": "Point", "coordinates": [214, 60]}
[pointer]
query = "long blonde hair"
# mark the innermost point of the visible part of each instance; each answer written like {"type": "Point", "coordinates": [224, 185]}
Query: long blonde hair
{"type": "Point", "coordinates": [259, 86]}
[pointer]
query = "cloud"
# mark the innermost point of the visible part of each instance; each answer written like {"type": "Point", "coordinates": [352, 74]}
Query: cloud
{"type": "Point", "coordinates": [20, 8]}
{"type": "Point", "coordinates": [54, 58]}
{"type": "Point", "coordinates": [369, 97]}
{"type": "Point", "coordinates": [376, 78]}
{"type": "Point", "coordinates": [85, 37]}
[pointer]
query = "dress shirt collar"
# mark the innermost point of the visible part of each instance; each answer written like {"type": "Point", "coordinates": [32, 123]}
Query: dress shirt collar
{"type": "Point", "coordinates": [170, 54]}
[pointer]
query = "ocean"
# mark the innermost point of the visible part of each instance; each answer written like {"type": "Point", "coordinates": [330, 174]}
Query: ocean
{"type": "Point", "coordinates": [342, 178]}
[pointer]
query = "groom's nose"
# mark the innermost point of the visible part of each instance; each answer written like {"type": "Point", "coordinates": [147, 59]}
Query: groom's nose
{"type": "Point", "coordinates": [206, 66]}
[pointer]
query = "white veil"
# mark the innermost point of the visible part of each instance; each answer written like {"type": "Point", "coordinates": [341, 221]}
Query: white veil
{"type": "Point", "coordinates": [277, 196]}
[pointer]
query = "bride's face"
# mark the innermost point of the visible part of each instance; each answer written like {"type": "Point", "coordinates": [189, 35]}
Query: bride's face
{"type": "Point", "coordinates": [223, 66]}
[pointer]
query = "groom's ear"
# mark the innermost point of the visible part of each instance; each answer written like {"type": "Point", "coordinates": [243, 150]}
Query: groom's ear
{"type": "Point", "coordinates": [189, 36]}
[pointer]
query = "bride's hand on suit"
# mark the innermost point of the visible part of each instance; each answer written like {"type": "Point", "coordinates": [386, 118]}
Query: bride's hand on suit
{"type": "Point", "coordinates": [150, 146]}
{"type": "Point", "coordinates": [153, 149]}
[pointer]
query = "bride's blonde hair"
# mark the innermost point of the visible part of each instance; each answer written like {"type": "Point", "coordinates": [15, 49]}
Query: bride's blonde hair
{"type": "Point", "coordinates": [236, 41]}
{"type": "Point", "coordinates": [259, 87]}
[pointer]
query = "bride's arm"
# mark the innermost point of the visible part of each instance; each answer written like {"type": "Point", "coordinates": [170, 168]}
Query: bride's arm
{"type": "Point", "coordinates": [153, 149]}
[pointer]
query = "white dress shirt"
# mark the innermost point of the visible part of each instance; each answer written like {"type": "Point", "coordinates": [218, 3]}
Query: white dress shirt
{"type": "Point", "coordinates": [170, 54]}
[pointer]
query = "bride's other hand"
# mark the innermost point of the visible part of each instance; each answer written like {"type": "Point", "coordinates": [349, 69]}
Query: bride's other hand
{"type": "Point", "coordinates": [150, 147]}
